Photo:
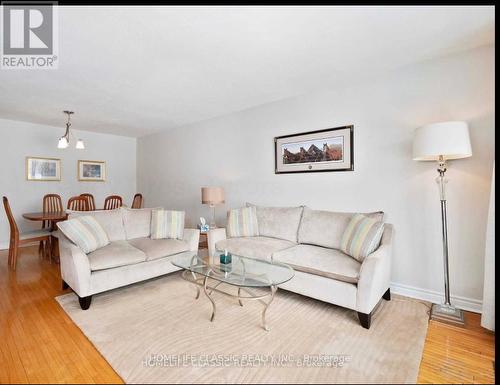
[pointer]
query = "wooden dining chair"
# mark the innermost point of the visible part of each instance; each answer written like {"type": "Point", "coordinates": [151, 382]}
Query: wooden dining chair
{"type": "Point", "coordinates": [112, 202]}
{"type": "Point", "coordinates": [90, 199]}
{"type": "Point", "coordinates": [137, 202]}
{"type": "Point", "coordinates": [18, 239]}
{"type": "Point", "coordinates": [78, 203]}
{"type": "Point", "coordinates": [52, 203]}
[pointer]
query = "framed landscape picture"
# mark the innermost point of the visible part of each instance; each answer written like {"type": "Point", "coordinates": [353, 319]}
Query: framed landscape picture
{"type": "Point", "coordinates": [324, 150]}
{"type": "Point", "coordinates": [91, 171]}
{"type": "Point", "coordinates": [43, 169]}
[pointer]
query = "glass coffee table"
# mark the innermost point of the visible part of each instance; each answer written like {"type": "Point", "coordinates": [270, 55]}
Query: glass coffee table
{"type": "Point", "coordinates": [254, 279]}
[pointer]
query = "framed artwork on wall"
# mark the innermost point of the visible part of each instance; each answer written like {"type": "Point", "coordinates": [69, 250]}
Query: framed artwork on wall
{"type": "Point", "coordinates": [331, 149]}
{"type": "Point", "coordinates": [43, 169]}
{"type": "Point", "coordinates": [91, 171]}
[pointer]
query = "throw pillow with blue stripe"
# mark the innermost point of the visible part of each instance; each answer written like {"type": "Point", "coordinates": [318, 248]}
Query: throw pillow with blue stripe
{"type": "Point", "coordinates": [85, 232]}
{"type": "Point", "coordinates": [362, 236]}
{"type": "Point", "coordinates": [243, 222]}
{"type": "Point", "coordinates": [167, 224]}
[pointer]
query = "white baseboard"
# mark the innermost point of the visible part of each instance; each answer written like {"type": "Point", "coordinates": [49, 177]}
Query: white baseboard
{"type": "Point", "coordinates": [469, 304]}
{"type": "Point", "coordinates": [4, 245]}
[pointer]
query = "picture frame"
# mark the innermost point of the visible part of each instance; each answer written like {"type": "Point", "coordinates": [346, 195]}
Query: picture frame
{"type": "Point", "coordinates": [43, 169]}
{"type": "Point", "coordinates": [330, 149]}
{"type": "Point", "coordinates": [91, 171]}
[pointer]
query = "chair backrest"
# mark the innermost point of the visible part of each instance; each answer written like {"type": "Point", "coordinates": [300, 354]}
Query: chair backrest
{"type": "Point", "coordinates": [14, 231]}
{"type": "Point", "coordinates": [112, 202]}
{"type": "Point", "coordinates": [78, 203]}
{"type": "Point", "coordinates": [90, 199]}
{"type": "Point", "coordinates": [137, 202]}
{"type": "Point", "coordinates": [51, 203]}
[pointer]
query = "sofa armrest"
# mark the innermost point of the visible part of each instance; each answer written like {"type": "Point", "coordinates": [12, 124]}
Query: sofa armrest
{"type": "Point", "coordinates": [75, 266]}
{"type": "Point", "coordinates": [214, 236]}
{"type": "Point", "coordinates": [192, 237]}
{"type": "Point", "coordinates": [375, 274]}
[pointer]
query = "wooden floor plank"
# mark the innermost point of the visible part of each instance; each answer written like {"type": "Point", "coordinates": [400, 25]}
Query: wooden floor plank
{"type": "Point", "coordinates": [40, 343]}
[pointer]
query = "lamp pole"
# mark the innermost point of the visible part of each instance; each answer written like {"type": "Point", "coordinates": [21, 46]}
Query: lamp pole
{"type": "Point", "coordinates": [445, 312]}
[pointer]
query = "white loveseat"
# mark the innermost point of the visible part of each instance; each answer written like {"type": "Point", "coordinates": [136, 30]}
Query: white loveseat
{"type": "Point", "coordinates": [309, 241]}
{"type": "Point", "coordinates": [130, 257]}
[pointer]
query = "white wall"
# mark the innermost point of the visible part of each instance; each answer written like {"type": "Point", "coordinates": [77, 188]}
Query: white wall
{"type": "Point", "coordinates": [236, 152]}
{"type": "Point", "coordinates": [21, 139]}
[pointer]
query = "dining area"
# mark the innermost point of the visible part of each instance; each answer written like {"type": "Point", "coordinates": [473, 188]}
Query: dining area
{"type": "Point", "coordinates": [53, 211]}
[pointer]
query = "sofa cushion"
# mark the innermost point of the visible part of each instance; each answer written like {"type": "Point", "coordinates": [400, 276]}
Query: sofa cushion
{"type": "Point", "coordinates": [329, 263]}
{"type": "Point", "coordinates": [85, 232]}
{"type": "Point", "coordinates": [167, 224]}
{"type": "Point", "coordinates": [118, 253]}
{"type": "Point", "coordinates": [137, 222]}
{"type": "Point", "coordinates": [279, 222]}
{"type": "Point", "coordinates": [362, 236]}
{"type": "Point", "coordinates": [253, 247]}
{"type": "Point", "coordinates": [159, 248]}
{"type": "Point", "coordinates": [325, 228]}
{"type": "Point", "coordinates": [242, 222]}
{"type": "Point", "coordinates": [110, 220]}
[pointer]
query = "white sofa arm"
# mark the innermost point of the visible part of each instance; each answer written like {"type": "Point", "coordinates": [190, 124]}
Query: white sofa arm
{"type": "Point", "coordinates": [192, 237]}
{"type": "Point", "coordinates": [214, 236]}
{"type": "Point", "coordinates": [75, 266]}
{"type": "Point", "coordinates": [375, 274]}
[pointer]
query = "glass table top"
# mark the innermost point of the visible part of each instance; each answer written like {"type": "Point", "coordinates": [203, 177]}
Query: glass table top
{"type": "Point", "coordinates": [242, 271]}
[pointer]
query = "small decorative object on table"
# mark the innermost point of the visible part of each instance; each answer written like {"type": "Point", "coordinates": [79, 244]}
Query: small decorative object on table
{"type": "Point", "coordinates": [225, 259]}
{"type": "Point", "coordinates": [203, 225]}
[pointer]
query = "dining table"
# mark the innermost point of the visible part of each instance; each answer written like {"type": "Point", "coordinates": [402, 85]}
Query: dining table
{"type": "Point", "coordinates": [51, 217]}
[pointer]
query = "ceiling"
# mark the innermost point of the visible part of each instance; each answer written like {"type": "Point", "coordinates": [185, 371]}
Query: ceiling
{"type": "Point", "coordinates": [138, 70]}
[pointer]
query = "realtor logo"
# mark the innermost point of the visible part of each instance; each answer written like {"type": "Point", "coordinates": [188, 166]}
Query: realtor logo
{"type": "Point", "coordinates": [29, 38]}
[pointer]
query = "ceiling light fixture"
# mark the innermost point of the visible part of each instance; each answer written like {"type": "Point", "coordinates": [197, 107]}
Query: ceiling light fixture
{"type": "Point", "coordinates": [64, 140]}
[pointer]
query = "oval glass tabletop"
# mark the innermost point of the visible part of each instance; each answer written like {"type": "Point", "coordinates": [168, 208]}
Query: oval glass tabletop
{"type": "Point", "coordinates": [242, 271]}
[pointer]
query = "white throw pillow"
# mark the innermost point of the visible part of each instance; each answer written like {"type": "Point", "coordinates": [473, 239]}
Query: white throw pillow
{"type": "Point", "coordinates": [85, 232]}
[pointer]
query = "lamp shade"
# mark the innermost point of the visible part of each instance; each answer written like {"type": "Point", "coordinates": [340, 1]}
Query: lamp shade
{"type": "Point", "coordinates": [212, 195]}
{"type": "Point", "coordinates": [447, 139]}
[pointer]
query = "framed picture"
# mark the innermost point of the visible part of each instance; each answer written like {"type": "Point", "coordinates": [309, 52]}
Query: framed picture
{"type": "Point", "coordinates": [324, 150]}
{"type": "Point", "coordinates": [91, 171]}
{"type": "Point", "coordinates": [43, 169]}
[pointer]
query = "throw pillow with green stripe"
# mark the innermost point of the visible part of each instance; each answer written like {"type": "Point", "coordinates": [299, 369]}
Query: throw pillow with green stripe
{"type": "Point", "coordinates": [167, 224]}
{"type": "Point", "coordinates": [362, 236]}
{"type": "Point", "coordinates": [243, 222]}
{"type": "Point", "coordinates": [85, 232]}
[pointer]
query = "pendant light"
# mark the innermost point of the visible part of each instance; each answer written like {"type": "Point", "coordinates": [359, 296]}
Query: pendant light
{"type": "Point", "coordinates": [64, 140]}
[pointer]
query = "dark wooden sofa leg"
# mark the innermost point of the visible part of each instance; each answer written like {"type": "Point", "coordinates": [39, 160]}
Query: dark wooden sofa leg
{"type": "Point", "coordinates": [387, 295]}
{"type": "Point", "coordinates": [64, 285]}
{"type": "Point", "coordinates": [365, 319]}
{"type": "Point", "coordinates": [85, 302]}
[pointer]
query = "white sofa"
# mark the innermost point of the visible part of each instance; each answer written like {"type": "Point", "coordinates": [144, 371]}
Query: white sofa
{"type": "Point", "coordinates": [130, 257]}
{"type": "Point", "coordinates": [309, 241]}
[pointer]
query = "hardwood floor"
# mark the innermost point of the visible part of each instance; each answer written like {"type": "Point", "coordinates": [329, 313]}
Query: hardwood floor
{"type": "Point", "coordinates": [40, 344]}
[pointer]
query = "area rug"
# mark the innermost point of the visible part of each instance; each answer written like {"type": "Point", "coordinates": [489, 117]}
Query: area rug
{"type": "Point", "coordinates": [157, 332]}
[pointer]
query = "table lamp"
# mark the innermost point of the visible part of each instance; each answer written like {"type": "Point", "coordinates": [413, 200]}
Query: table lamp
{"type": "Point", "coordinates": [212, 196]}
{"type": "Point", "coordinates": [441, 142]}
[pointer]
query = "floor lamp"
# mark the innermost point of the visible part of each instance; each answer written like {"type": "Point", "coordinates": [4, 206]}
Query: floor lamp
{"type": "Point", "coordinates": [442, 142]}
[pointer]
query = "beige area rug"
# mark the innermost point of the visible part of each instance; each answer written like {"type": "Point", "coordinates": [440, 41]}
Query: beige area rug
{"type": "Point", "coordinates": [156, 332]}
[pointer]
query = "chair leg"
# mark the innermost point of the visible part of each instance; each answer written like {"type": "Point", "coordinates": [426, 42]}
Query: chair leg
{"type": "Point", "coordinates": [40, 249]}
{"type": "Point", "coordinates": [15, 252]}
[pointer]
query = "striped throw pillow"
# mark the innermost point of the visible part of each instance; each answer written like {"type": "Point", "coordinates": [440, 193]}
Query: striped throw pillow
{"type": "Point", "coordinates": [243, 222]}
{"type": "Point", "coordinates": [85, 232]}
{"type": "Point", "coordinates": [167, 224]}
{"type": "Point", "coordinates": [362, 236]}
